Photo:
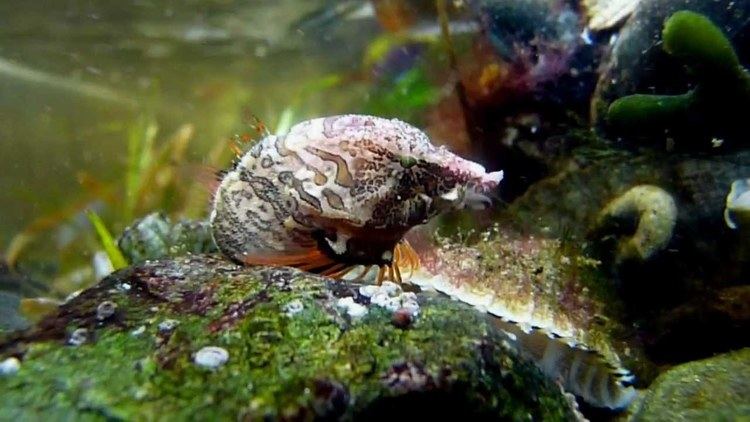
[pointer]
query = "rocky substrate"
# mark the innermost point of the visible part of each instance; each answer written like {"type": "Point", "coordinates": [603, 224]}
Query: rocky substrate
{"type": "Point", "coordinates": [706, 390]}
{"type": "Point", "coordinates": [201, 338]}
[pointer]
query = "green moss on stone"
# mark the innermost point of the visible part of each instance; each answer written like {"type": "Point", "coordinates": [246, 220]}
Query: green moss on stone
{"type": "Point", "coordinates": [711, 389]}
{"type": "Point", "coordinates": [318, 363]}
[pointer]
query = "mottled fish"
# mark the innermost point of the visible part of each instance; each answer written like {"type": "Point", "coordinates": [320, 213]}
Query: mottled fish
{"type": "Point", "coordinates": [341, 191]}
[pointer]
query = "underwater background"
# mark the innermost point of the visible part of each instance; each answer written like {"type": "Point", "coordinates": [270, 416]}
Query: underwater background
{"type": "Point", "coordinates": [607, 281]}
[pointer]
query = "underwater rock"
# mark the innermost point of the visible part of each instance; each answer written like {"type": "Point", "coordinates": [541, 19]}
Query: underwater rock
{"type": "Point", "coordinates": [155, 236]}
{"type": "Point", "coordinates": [712, 389]}
{"type": "Point", "coordinates": [720, 319]}
{"type": "Point", "coordinates": [639, 65]}
{"type": "Point", "coordinates": [703, 254]}
{"type": "Point", "coordinates": [570, 203]}
{"type": "Point", "coordinates": [10, 316]}
{"type": "Point", "coordinates": [655, 213]}
{"type": "Point", "coordinates": [318, 363]}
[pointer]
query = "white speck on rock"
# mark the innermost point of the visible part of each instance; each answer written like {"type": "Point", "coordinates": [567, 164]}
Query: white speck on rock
{"type": "Point", "coordinates": [411, 305]}
{"type": "Point", "coordinates": [293, 308]}
{"type": "Point", "coordinates": [72, 296]}
{"type": "Point", "coordinates": [10, 366]}
{"type": "Point", "coordinates": [168, 325]}
{"type": "Point", "coordinates": [211, 357]}
{"type": "Point", "coordinates": [390, 288]}
{"type": "Point", "coordinates": [105, 310]}
{"type": "Point", "coordinates": [78, 337]}
{"type": "Point", "coordinates": [138, 331]}
{"type": "Point", "coordinates": [369, 290]}
{"type": "Point", "coordinates": [391, 297]}
{"type": "Point", "coordinates": [353, 309]}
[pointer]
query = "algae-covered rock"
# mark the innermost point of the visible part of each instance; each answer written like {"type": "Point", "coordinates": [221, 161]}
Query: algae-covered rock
{"type": "Point", "coordinates": [156, 236]}
{"type": "Point", "coordinates": [712, 389]}
{"type": "Point", "coordinates": [202, 338]}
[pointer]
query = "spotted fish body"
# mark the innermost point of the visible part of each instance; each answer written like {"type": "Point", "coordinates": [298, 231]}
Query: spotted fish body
{"type": "Point", "coordinates": [339, 190]}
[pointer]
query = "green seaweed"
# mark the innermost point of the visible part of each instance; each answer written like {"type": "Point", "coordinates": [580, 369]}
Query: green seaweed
{"type": "Point", "coordinates": [712, 108]}
{"type": "Point", "coordinates": [140, 153]}
{"type": "Point", "coordinates": [107, 241]}
{"type": "Point", "coordinates": [695, 40]}
{"type": "Point", "coordinates": [403, 98]}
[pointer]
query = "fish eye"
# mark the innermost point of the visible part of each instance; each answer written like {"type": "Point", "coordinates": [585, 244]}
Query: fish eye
{"type": "Point", "coordinates": [407, 161]}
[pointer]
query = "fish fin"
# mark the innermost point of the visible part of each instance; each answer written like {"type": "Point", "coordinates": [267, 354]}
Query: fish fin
{"type": "Point", "coordinates": [312, 259]}
{"type": "Point", "coordinates": [208, 177]}
{"type": "Point", "coordinates": [404, 256]}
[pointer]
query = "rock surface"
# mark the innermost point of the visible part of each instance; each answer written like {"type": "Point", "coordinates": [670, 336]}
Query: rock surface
{"type": "Point", "coordinates": [710, 389]}
{"type": "Point", "coordinates": [314, 363]}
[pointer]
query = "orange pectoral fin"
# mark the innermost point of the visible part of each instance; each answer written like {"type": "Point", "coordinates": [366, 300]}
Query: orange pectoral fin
{"type": "Point", "coordinates": [312, 259]}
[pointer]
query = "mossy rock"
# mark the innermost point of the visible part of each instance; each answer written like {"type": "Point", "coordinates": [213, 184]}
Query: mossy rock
{"type": "Point", "coordinates": [707, 390]}
{"type": "Point", "coordinates": [317, 363]}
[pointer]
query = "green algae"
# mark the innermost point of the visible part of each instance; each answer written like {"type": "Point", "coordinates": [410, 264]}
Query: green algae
{"type": "Point", "coordinates": [315, 364]}
{"type": "Point", "coordinates": [722, 85]}
{"type": "Point", "coordinates": [711, 389]}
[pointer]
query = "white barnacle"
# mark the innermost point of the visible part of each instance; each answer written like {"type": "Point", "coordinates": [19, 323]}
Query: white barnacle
{"type": "Point", "coordinates": [211, 357]}
{"type": "Point", "coordinates": [10, 366]}
{"type": "Point", "coordinates": [78, 337]}
{"type": "Point", "coordinates": [390, 288]}
{"type": "Point", "coordinates": [352, 308]}
{"type": "Point", "coordinates": [167, 325]}
{"type": "Point", "coordinates": [737, 211]}
{"type": "Point", "coordinates": [368, 290]}
{"type": "Point", "coordinates": [138, 331]}
{"type": "Point", "coordinates": [105, 310]}
{"type": "Point", "coordinates": [293, 308]}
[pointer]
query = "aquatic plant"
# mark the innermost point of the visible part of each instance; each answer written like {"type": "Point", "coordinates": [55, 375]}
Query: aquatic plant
{"type": "Point", "coordinates": [157, 175]}
{"type": "Point", "coordinates": [107, 241]}
{"type": "Point", "coordinates": [404, 97]}
{"type": "Point", "coordinates": [713, 108]}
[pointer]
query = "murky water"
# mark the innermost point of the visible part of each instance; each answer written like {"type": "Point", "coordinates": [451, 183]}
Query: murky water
{"type": "Point", "coordinates": [609, 148]}
{"type": "Point", "coordinates": [74, 77]}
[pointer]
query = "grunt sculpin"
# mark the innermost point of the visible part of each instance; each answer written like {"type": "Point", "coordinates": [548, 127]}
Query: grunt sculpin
{"type": "Point", "coordinates": [341, 191]}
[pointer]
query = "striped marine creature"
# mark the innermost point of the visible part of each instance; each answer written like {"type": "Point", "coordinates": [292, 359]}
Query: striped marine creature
{"type": "Point", "coordinates": [337, 192]}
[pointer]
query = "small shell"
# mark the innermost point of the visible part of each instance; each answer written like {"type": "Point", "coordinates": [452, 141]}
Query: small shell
{"type": "Point", "coordinates": [105, 310]}
{"type": "Point", "coordinates": [10, 366]}
{"type": "Point", "coordinates": [604, 14]}
{"type": "Point", "coordinates": [737, 211]}
{"type": "Point", "coordinates": [211, 357]}
{"type": "Point", "coordinates": [353, 309]}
